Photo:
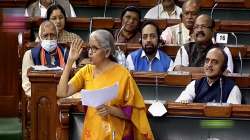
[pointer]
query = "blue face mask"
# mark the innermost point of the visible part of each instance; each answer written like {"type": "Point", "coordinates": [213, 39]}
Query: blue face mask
{"type": "Point", "coordinates": [49, 45]}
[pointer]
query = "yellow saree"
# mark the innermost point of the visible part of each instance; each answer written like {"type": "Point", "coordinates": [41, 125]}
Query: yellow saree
{"type": "Point", "coordinates": [111, 127]}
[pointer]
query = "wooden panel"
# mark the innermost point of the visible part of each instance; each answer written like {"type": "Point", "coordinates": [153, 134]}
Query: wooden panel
{"type": "Point", "coordinates": [233, 25]}
{"type": "Point", "coordinates": [13, 3]}
{"type": "Point", "coordinates": [83, 23]}
{"type": "Point", "coordinates": [44, 111]}
{"type": "Point", "coordinates": [9, 91]}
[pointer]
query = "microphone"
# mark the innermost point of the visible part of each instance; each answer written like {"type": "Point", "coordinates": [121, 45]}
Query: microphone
{"type": "Point", "coordinates": [121, 56]}
{"type": "Point", "coordinates": [180, 35]}
{"type": "Point", "coordinates": [181, 55]}
{"type": "Point", "coordinates": [212, 11]}
{"type": "Point", "coordinates": [220, 90]}
{"type": "Point", "coordinates": [239, 53]}
{"type": "Point", "coordinates": [90, 25]}
{"type": "Point", "coordinates": [156, 89]}
{"type": "Point", "coordinates": [105, 8]}
{"type": "Point", "coordinates": [158, 13]}
{"type": "Point", "coordinates": [119, 32]}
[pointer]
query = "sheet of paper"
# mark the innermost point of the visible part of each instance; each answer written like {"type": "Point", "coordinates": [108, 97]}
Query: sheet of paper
{"type": "Point", "coordinates": [44, 68]}
{"type": "Point", "coordinates": [157, 109]}
{"type": "Point", "coordinates": [98, 97]}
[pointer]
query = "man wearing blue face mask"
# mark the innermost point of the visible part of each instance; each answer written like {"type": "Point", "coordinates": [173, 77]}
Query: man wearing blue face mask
{"type": "Point", "coordinates": [48, 52]}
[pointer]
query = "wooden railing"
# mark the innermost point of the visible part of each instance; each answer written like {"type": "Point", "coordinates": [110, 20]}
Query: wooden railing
{"type": "Point", "coordinates": [115, 23]}
{"type": "Point", "coordinates": [172, 49]}
{"type": "Point", "coordinates": [139, 3]}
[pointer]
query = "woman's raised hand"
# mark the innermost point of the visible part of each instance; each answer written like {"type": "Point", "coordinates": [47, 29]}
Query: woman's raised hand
{"type": "Point", "coordinates": [76, 49]}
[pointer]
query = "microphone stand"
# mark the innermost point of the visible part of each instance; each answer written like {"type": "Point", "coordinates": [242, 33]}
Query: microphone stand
{"type": "Point", "coordinates": [221, 91]}
{"type": "Point", "coordinates": [156, 89]}
{"type": "Point", "coordinates": [105, 8]}
{"type": "Point", "coordinates": [90, 25]}
{"type": "Point", "coordinates": [212, 11]}
{"type": "Point", "coordinates": [121, 54]}
{"type": "Point", "coordinates": [239, 53]}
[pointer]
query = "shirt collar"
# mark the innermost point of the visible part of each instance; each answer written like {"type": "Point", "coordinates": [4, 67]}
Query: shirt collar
{"type": "Point", "coordinates": [162, 11]}
{"type": "Point", "coordinates": [157, 55]}
{"type": "Point", "coordinates": [41, 6]}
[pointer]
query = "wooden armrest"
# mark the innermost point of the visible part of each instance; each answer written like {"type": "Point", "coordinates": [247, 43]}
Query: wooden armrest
{"type": "Point", "coordinates": [241, 111]}
{"type": "Point", "coordinates": [218, 110]}
{"type": "Point", "coordinates": [179, 109]}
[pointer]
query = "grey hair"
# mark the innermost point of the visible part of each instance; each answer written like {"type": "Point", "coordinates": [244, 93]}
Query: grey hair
{"type": "Point", "coordinates": [45, 24]}
{"type": "Point", "coordinates": [105, 39]}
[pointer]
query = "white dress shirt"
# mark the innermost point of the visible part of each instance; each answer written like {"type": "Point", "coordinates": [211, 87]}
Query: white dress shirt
{"type": "Point", "coordinates": [183, 59]}
{"type": "Point", "coordinates": [131, 65]}
{"type": "Point", "coordinates": [189, 94]}
{"type": "Point", "coordinates": [177, 34]}
{"type": "Point", "coordinates": [158, 12]}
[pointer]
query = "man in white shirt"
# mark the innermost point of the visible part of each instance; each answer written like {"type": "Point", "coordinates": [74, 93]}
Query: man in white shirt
{"type": "Point", "coordinates": [39, 8]}
{"type": "Point", "coordinates": [214, 87]}
{"type": "Point", "coordinates": [181, 33]}
{"type": "Point", "coordinates": [165, 10]}
{"type": "Point", "coordinates": [191, 56]}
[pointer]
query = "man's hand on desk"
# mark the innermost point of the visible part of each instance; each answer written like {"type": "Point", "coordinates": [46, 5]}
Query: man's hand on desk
{"type": "Point", "coordinates": [184, 101]}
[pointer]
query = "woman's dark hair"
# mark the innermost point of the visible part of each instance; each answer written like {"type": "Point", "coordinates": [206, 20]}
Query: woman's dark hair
{"type": "Point", "coordinates": [132, 9]}
{"type": "Point", "coordinates": [55, 7]}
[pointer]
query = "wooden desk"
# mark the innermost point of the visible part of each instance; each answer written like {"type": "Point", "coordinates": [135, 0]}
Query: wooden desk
{"type": "Point", "coordinates": [50, 116]}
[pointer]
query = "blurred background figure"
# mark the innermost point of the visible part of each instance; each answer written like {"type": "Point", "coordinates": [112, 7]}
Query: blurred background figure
{"type": "Point", "coordinates": [166, 9]}
{"type": "Point", "coordinates": [182, 33]}
{"type": "Point", "coordinates": [39, 8]}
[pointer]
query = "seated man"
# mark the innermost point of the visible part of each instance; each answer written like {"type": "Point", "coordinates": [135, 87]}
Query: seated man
{"type": "Point", "coordinates": [39, 8]}
{"type": "Point", "coordinates": [130, 21]}
{"type": "Point", "coordinates": [165, 10]}
{"type": "Point", "coordinates": [48, 52]}
{"type": "Point", "coordinates": [208, 89]}
{"type": "Point", "coordinates": [182, 33]}
{"type": "Point", "coordinates": [191, 56]}
{"type": "Point", "coordinates": [149, 57]}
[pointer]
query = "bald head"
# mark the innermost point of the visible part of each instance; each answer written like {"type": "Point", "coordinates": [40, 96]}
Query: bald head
{"type": "Point", "coordinates": [190, 10]}
{"type": "Point", "coordinates": [48, 30]}
{"type": "Point", "coordinates": [206, 19]}
{"type": "Point", "coordinates": [195, 4]}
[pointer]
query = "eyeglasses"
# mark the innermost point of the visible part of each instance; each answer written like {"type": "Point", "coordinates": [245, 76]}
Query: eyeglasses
{"type": "Point", "coordinates": [202, 27]}
{"type": "Point", "coordinates": [92, 49]}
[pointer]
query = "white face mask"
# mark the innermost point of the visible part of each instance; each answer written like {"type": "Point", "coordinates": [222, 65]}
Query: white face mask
{"type": "Point", "coordinates": [49, 45]}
